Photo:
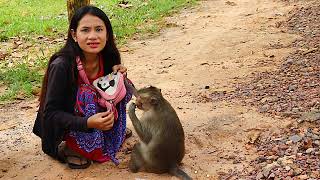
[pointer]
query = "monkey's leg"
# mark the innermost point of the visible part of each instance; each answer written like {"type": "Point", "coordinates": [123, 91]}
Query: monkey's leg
{"type": "Point", "coordinates": [136, 161]}
{"type": "Point", "coordinates": [143, 133]}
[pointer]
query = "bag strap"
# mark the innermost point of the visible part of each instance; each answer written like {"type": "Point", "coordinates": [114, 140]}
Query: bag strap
{"type": "Point", "coordinates": [81, 71]}
{"type": "Point", "coordinates": [130, 87]}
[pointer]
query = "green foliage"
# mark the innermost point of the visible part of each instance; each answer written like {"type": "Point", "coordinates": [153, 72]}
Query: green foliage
{"type": "Point", "coordinates": [28, 19]}
{"type": "Point", "coordinates": [19, 80]}
{"type": "Point", "coordinates": [32, 17]}
{"type": "Point", "coordinates": [49, 18]}
{"type": "Point", "coordinates": [142, 17]}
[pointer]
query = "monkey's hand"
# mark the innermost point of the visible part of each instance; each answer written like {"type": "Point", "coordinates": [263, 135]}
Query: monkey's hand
{"type": "Point", "coordinates": [132, 107]}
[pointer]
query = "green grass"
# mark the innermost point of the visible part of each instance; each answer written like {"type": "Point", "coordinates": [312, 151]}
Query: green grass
{"type": "Point", "coordinates": [49, 17]}
{"type": "Point", "coordinates": [32, 18]}
{"type": "Point", "coordinates": [143, 17]}
{"type": "Point", "coordinates": [20, 81]}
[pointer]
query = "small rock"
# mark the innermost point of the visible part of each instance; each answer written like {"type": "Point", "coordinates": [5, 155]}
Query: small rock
{"type": "Point", "coordinates": [295, 138]}
{"type": "Point", "coordinates": [290, 173]}
{"type": "Point", "coordinates": [308, 132]}
{"type": "Point", "coordinates": [296, 110]}
{"type": "Point", "coordinates": [264, 108]}
{"type": "Point", "coordinates": [297, 171]}
{"type": "Point", "coordinates": [307, 143]}
{"type": "Point", "coordinates": [310, 150]}
{"type": "Point", "coordinates": [266, 170]}
{"type": "Point", "coordinates": [300, 120]}
{"type": "Point", "coordinates": [287, 168]}
{"type": "Point", "coordinates": [317, 142]}
{"type": "Point", "coordinates": [315, 173]}
{"type": "Point", "coordinates": [272, 176]}
{"type": "Point", "coordinates": [288, 62]}
{"type": "Point", "coordinates": [283, 146]}
{"type": "Point", "coordinates": [315, 137]}
{"type": "Point", "coordinates": [273, 157]}
{"type": "Point", "coordinates": [292, 87]}
{"type": "Point", "coordinates": [302, 177]}
{"type": "Point", "coordinates": [311, 116]}
{"type": "Point", "coordinates": [259, 176]}
{"type": "Point", "coordinates": [286, 160]}
{"type": "Point", "coordinates": [261, 159]}
{"type": "Point", "coordinates": [289, 142]}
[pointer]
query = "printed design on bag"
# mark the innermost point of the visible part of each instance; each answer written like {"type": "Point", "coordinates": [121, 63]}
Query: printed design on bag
{"type": "Point", "coordinates": [111, 89]}
{"type": "Point", "coordinates": [108, 83]}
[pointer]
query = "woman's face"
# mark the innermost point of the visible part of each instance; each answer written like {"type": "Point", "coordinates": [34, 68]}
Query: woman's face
{"type": "Point", "coordinates": [91, 34]}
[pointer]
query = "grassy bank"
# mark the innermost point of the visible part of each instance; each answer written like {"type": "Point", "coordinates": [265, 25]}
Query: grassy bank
{"type": "Point", "coordinates": [28, 19]}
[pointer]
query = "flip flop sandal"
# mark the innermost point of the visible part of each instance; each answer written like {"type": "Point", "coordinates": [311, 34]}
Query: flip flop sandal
{"type": "Point", "coordinates": [128, 133]}
{"type": "Point", "coordinates": [81, 165]}
{"type": "Point", "coordinates": [65, 155]}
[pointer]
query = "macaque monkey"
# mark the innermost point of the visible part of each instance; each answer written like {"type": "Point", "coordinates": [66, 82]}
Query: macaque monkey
{"type": "Point", "coordinates": [161, 147]}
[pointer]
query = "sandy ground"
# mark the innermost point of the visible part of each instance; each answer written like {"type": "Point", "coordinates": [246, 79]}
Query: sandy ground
{"type": "Point", "coordinates": [205, 49]}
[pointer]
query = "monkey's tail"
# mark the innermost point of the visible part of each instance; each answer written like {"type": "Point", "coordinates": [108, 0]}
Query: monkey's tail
{"type": "Point", "coordinates": [176, 171]}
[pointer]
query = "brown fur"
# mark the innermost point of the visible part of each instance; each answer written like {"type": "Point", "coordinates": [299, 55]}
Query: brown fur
{"type": "Point", "coordinates": [161, 148]}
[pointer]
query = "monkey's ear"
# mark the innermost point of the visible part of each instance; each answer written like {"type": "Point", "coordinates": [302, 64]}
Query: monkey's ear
{"type": "Point", "coordinates": [153, 101]}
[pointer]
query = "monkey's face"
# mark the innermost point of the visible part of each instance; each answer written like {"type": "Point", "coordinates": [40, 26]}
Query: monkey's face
{"type": "Point", "coordinates": [148, 98]}
{"type": "Point", "coordinates": [145, 102]}
{"type": "Point", "coordinates": [138, 102]}
{"type": "Point", "coordinates": [142, 103]}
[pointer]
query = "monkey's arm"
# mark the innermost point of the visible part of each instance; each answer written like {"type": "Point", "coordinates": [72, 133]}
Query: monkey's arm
{"type": "Point", "coordinates": [143, 133]}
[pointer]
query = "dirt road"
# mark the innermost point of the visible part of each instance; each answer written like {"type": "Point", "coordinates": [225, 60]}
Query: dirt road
{"type": "Point", "coordinates": [206, 49]}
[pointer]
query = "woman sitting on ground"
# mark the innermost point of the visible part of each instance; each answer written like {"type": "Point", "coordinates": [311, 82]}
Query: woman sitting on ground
{"type": "Point", "coordinates": [72, 126]}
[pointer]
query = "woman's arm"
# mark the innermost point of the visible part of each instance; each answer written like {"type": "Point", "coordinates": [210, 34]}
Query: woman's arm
{"type": "Point", "coordinates": [57, 101]}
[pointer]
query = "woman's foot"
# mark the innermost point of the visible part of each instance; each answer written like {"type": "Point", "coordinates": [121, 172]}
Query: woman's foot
{"type": "Point", "coordinates": [77, 162]}
{"type": "Point", "coordinates": [73, 159]}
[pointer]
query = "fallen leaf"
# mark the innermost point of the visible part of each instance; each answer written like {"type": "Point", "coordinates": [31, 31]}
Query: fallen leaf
{"type": "Point", "coordinates": [3, 55]}
{"type": "Point", "coordinates": [253, 137]}
{"type": "Point", "coordinates": [125, 5]}
{"type": "Point", "coordinates": [231, 3]}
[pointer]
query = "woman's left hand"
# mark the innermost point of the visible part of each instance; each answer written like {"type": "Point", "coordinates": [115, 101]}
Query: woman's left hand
{"type": "Point", "coordinates": [120, 68]}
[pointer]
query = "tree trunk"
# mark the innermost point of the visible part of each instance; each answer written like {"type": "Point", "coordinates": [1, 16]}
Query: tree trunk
{"type": "Point", "coordinates": [73, 5]}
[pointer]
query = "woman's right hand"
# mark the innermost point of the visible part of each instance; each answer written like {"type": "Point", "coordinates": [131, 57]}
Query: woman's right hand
{"type": "Point", "coordinates": [102, 121]}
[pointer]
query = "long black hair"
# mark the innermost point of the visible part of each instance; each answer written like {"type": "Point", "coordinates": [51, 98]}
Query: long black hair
{"type": "Point", "coordinates": [71, 49]}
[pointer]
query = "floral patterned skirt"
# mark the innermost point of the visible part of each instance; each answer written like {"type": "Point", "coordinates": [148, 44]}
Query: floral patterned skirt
{"type": "Point", "coordinates": [97, 145]}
